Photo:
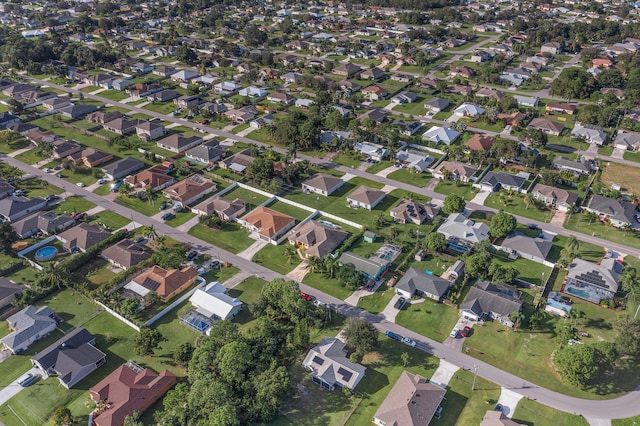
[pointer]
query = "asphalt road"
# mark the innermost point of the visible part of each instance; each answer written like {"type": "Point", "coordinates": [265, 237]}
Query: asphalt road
{"type": "Point", "coordinates": [625, 406]}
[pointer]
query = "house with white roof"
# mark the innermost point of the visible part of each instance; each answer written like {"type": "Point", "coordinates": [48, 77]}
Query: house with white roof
{"type": "Point", "coordinates": [213, 302]}
{"type": "Point", "coordinates": [439, 134]}
{"type": "Point", "coordinates": [463, 233]}
{"type": "Point", "coordinates": [371, 150]}
{"type": "Point", "coordinates": [468, 110]}
{"type": "Point", "coordinates": [589, 133]}
{"type": "Point", "coordinates": [253, 92]}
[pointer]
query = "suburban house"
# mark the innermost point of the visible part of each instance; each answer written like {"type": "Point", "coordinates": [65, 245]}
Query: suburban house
{"type": "Point", "coordinates": [618, 213]}
{"type": "Point", "coordinates": [237, 162]}
{"type": "Point", "coordinates": [46, 222]}
{"type": "Point", "coordinates": [15, 207]}
{"type": "Point", "coordinates": [527, 101]}
{"type": "Point", "coordinates": [463, 233]}
{"type": "Point", "coordinates": [589, 133]}
{"type": "Point", "coordinates": [552, 47]}
{"type": "Point", "coordinates": [497, 418]}
{"type": "Point", "coordinates": [239, 115]}
{"type": "Point", "coordinates": [267, 224]}
{"type": "Point", "coordinates": [184, 76]}
{"type": "Point", "coordinates": [214, 303]}
{"type": "Point", "coordinates": [103, 117]}
{"type": "Point", "coordinates": [207, 154]}
{"type": "Point", "coordinates": [418, 283]}
{"type": "Point", "coordinates": [227, 210]}
{"type": "Point", "coordinates": [76, 111]}
{"type": "Point", "coordinates": [468, 110]}
{"type": "Point", "coordinates": [8, 292]}
{"type": "Point", "coordinates": [410, 211]}
{"type": "Point", "coordinates": [404, 98]}
{"type": "Point", "coordinates": [561, 108]}
{"type": "Point", "coordinates": [125, 254]}
{"type": "Point", "coordinates": [27, 326]}
{"type": "Point", "coordinates": [56, 103]}
{"type": "Point", "coordinates": [547, 126]}
{"type": "Point", "coordinates": [121, 168]}
{"type": "Point", "coordinates": [330, 366]}
{"type": "Point", "coordinates": [413, 400]}
{"type": "Point", "coordinates": [179, 143]}
{"type": "Point", "coordinates": [480, 142]}
{"type": "Point", "coordinates": [454, 170]}
{"type": "Point", "coordinates": [317, 239]}
{"type": "Point", "coordinates": [365, 197]}
{"type": "Point", "coordinates": [226, 88]}
{"type": "Point", "coordinates": [487, 300]}
{"type": "Point", "coordinates": [373, 267]}
{"type": "Point", "coordinates": [189, 190]}
{"type": "Point", "coordinates": [593, 282]}
{"type": "Point", "coordinates": [493, 181]}
{"type": "Point", "coordinates": [627, 141]}
{"type": "Point", "coordinates": [374, 73]}
{"type": "Point", "coordinates": [71, 358]}
{"type": "Point", "coordinates": [322, 184]}
{"type": "Point", "coordinates": [436, 104]}
{"type": "Point", "coordinates": [560, 199]}
{"type": "Point", "coordinates": [166, 283]}
{"type": "Point", "coordinates": [188, 101]}
{"type": "Point", "coordinates": [485, 92]}
{"type": "Point", "coordinates": [253, 92]}
{"type": "Point", "coordinates": [347, 70]}
{"type": "Point", "coordinates": [121, 126]}
{"type": "Point", "coordinates": [371, 150]}
{"type": "Point", "coordinates": [82, 236]}
{"type": "Point", "coordinates": [439, 134]}
{"type": "Point", "coordinates": [91, 157]}
{"type": "Point", "coordinates": [281, 98]}
{"type": "Point", "coordinates": [127, 390]}
{"type": "Point", "coordinates": [155, 177]}
{"type": "Point", "coordinates": [165, 95]}
{"type": "Point", "coordinates": [415, 160]}
{"type": "Point", "coordinates": [536, 249]}
{"type": "Point", "coordinates": [374, 93]}
{"type": "Point", "coordinates": [150, 130]}
{"type": "Point", "coordinates": [63, 148]}
{"type": "Point", "coordinates": [576, 167]}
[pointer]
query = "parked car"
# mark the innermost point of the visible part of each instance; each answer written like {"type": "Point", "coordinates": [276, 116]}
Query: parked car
{"type": "Point", "coordinates": [307, 297]}
{"type": "Point", "coordinates": [454, 332]}
{"type": "Point", "coordinates": [393, 335]}
{"type": "Point", "coordinates": [409, 342]}
{"type": "Point", "coordinates": [400, 303]}
{"type": "Point", "coordinates": [167, 216]}
{"type": "Point", "coordinates": [80, 185]}
{"type": "Point", "coordinates": [466, 331]}
{"type": "Point", "coordinates": [19, 192]}
{"type": "Point", "coordinates": [27, 379]}
{"type": "Point", "coordinates": [77, 215]}
{"type": "Point", "coordinates": [438, 412]}
{"type": "Point", "coordinates": [193, 254]}
{"type": "Point", "coordinates": [102, 181]}
{"type": "Point", "coordinates": [139, 240]}
{"type": "Point", "coordinates": [499, 407]}
{"type": "Point", "coordinates": [164, 206]}
{"type": "Point", "coordinates": [50, 197]}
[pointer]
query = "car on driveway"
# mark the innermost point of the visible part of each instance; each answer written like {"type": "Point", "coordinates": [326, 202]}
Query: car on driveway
{"type": "Point", "coordinates": [102, 181]}
{"type": "Point", "coordinates": [27, 379]}
{"type": "Point", "coordinates": [454, 332]}
{"type": "Point", "coordinates": [139, 240]}
{"type": "Point", "coordinates": [400, 303]}
{"type": "Point", "coordinates": [466, 331]}
{"type": "Point", "coordinates": [499, 407]}
{"type": "Point", "coordinates": [80, 185]}
{"type": "Point", "coordinates": [392, 335]}
{"type": "Point", "coordinates": [167, 216]}
{"type": "Point", "coordinates": [409, 342]}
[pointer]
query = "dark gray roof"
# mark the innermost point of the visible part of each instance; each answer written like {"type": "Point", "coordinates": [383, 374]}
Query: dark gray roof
{"type": "Point", "coordinates": [27, 323]}
{"type": "Point", "coordinates": [437, 103]}
{"type": "Point", "coordinates": [78, 110]}
{"type": "Point", "coordinates": [208, 151]}
{"type": "Point", "coordinates": [494, 179]}
{"type": "Point", "coordinates": [8, 288]}
{"type": "Point", "coordinates": [561, 162]}
{"type": "Point", "coordinates": [13, 205]}
{"type": "Point", "coordinates": [605, 275]}
{"type": "Point", "coordinates": [69, 356]}
{"type": "Point", "coordinates": [618, 210]}
{"type": "Point", "coordinates": [486, 297]}
{"type": "Point", "coordinates": [415, 279]}
{"type": "Point", "coordinates": [366, 266]}
{"type": "Point", "coordinates": [531, 246]}
{"type": "Point", "coordinates": [122, 167]}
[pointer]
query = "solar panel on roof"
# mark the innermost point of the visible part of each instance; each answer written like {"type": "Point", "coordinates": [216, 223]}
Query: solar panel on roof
{"type": "Point", "coordinates": [346, 375]}
{"type": "Point", "coordinates": [150, 284]}
{"type": "Point", "coordinates": [318, 360]}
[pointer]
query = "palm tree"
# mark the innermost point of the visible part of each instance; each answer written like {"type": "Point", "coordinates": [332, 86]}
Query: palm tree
{"type": "Point", "coordinates": [314, 263]}
{"type": "Point", "coordinates": [528, 200]}
{"type": "Point", "coordinates": [151, 195]}
{"type": "Point", "coordinates": [53, 275]}
{"type": "Point", "coordinates": [150, 233]}
{"type": "Point", "coordinates": [573, 244]}
{"type": "Point", "coordinates": [123, 190]}
{"type": "Point", "coordinates": [290, 253]}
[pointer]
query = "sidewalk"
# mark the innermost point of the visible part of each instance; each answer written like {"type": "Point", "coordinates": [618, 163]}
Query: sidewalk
{"type": "Point", "coordinates": [236, 279]}
{"type": "Point", "coordinates": [252, 249]}
{"type": "Point", "coordinates": [188, 224]}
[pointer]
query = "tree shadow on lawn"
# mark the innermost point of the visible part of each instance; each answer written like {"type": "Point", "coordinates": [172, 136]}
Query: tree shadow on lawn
{"type": "Point", "coordinates": [386, 203]}
{"type": "Point", "coordinates": [598, 323]}
{"type": "Point", "coordinates": [621, 380]}
{"type": "Point", "coordinates": [452, 406]}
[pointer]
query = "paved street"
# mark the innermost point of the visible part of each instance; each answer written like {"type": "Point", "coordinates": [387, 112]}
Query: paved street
{"type": "Point", "coordinates": [622, 407]}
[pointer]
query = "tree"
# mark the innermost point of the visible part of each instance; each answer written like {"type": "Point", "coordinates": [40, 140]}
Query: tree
{"type": "Point", "coordinates": [150, 194]}
{"type": "Point", "coordinates": [528, 200]}
{"type": "Point", "coordinates": [147, 341]}
{"type": "Point", "coordinates": [477, 265]}
{"type": "Point", "coordinates": [8, 236]}
{"type": "Point", "coordinates": [577, 364]}
{"type": "Point", "coordinates": [501, 224]}
{"type": "Point", "coordinates": [183, 353]}
{"type": "Point", "coordinates": [150, 233]}
{"type": "Point", "coordinates": [8, 136]}
{"type": "Point", "coordinates": [44, 150]}
{"type": "Point", "coordinates": [453, 203]}
{"type": "Point", "coordinates": [360, 335]}
{"type": "Point", "coordinates": [53, 275]}
{"type": "Point", "coordinates": [132, 420]}
{"type": "Point", "coordinates": [627, 336]}
{"type": "Point", "coordinates": [404, 357]}
{"type": "Point", "coordinates": [169, 257]}
{"type": "Point", "coordinates": [534, 137]}
{"type": "Point", "coordinates": [151, 299]}
{"type": "Point", "coordinates": [63, 417]}
{"type": "Point", "coordinates": [573, 83]}
{"type": "Point", "coordinates": [260, 170]}
{"type": "Point", "coordinates": [129, 307]}
{"type": "Point", "coordinates": [629, 280]}
{"type": "Point", "coordinates": [211, 220]}
{"type": "Point", "coordinates": [436, 241]}
{"type": "Point", "coordinates": [289, 252]}
{"type": "Point", "coordinates": [186, 54]}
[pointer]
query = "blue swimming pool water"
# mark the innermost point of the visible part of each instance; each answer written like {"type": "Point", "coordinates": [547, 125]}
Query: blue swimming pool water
{"type": "Point", "coordinates": [428, 272]}
{"type": "Point", "coordinates": [577, 292]}
{"type": "Point", "coordinates": [46, 253]}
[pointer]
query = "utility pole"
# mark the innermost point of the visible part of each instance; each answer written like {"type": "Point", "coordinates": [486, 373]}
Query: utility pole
{"type": "Point", "coordinates": [475, 374]}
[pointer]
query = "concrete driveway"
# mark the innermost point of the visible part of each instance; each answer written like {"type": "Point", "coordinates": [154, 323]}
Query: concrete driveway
{"type": "Point", "coordinates": [457, 342]}
{"type": "Point", "coordinates": [444, 373]}
{"type": "Point", "coordinates": [509, 400]}
{"type": "Point", "coordinates": [389, 312]}
{"type": "Point", "coordinates": [13, 388]}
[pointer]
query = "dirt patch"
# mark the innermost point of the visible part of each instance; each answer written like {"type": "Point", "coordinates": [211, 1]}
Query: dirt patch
{"type": "Point", "coordinates": [372, 357]}
{"type": "Point", "coordinates": [625, 176]}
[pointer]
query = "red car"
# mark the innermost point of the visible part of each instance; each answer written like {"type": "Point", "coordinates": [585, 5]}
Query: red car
{"type": "Point", "coordinates": [466, 331]}
{"type": "Point", "coordinates": [306, 296]}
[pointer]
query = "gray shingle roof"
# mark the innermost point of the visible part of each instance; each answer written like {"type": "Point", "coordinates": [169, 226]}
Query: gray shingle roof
{"type": "Point", "coordinates": [486, 297]}
{"type": "Point", "coordinates": [605, 275]}
{"type": "Point", "coordinates": [415, 279]}
{"type": "Point", "coordinates": [27, 323]}
{"type": "Point", "coordinates": [531, 246]}
{"type": "Point", "coordinates": [617, 210]}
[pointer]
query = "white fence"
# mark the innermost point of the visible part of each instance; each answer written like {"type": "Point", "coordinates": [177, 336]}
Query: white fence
{"type": "Point", "coordinates": [184, 297]}
{"type": "Point", "coordinates": [36, 246]}
{"type": "Point", "coordinates": [118, 316]}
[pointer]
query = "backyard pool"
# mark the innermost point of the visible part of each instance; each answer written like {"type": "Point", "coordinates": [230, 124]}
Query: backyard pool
{"type": "Point", "coordinates": [328, 224]}
{"type": "Point", "coordinates": [428, 272]}
{"type": "Point", "coordinates": [46, 253]}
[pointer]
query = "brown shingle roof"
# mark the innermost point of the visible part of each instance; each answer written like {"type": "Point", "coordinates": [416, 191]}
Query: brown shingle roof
{"type": "Point", "coordinates": [83, 236]}
{"type": "Point", "coordinates": [268, 222]}
{"type": "Point", "coordinates": [165, 282]}
{"type": "Point", "coordinates": [125, 253]}
{"type": "Point", "coordinates": [480, 142]}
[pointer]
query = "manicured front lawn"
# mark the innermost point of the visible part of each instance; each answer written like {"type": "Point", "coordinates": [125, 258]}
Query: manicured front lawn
{"type": "Point", "coordinates": [75, 203]}
{"type": "Point", "coordinates": [528, 270]}
{"type": "Point", "coordinates": [327, 285]}
{"type": "Point", "coordinates": [272, 257]}
{"type": "Point", "coordinates": [38, 187]}
{"type": "Point", "coordinates": [232, 237]}
{"type": "Point", "coordinates": [350, 159]}
{"type": "Point", "coordinates": [220, 274]}
{"type": "Point", "coordinates": [412, 178]}
{"type": "Point", "coordinates": [110, 219]}
{"type": "Point", "coordinates": [581, 223]}
{"type": "Point", "coordinates": [534, 413]}
{"type": "Point", "coordinates": [253, 199]}
{"type": "Point", "coordinates": [161, 107]}
{"type": "Point", "coordinates": [360, 181]}
{"type": "Point", "coordinates": [114, 95]}
{"type": "Point", "coordinates": [141, 206]}
{"type": "Point", "coordinates": [376, 302]}
{"type": "Point", "coordinates": [14, 146]}
{"type": "Point", "coordinates": [586, 251]}
{"type": "Point", "coordinates": [464, 190]}
{"type": "Point", "coordinates": [30, 157]}
{"type": "Point", "coordinates": [414, 108]}
{"type": "Point", "coordinates": [379, 166]}
{"type": "Point", "coordinates": [429, 318]}
{"type": "Point", "coordinates": [248, 291]}
{"type": "Point", "coordinates": [515, 205]}
{"type": "Point", "coordinates": [464, 406]}
{"type": "Point", "coordinates": [180, 218]}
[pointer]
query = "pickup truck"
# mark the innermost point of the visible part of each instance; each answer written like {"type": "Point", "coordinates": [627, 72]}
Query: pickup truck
{"type": "Point", "coordinates": [393, 335]}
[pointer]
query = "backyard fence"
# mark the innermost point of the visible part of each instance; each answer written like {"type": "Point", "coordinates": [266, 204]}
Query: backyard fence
{"type": "Point", "coordinates": [184, 297]}
{"type": "Point", "coordinates": [118, 316]}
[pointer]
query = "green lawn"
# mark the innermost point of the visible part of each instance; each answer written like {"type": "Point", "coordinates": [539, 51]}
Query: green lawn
{"type": "Point", "coordinates": [253, 199]}
{"type": "Point", "coordinates": [141, 206]}
{"type": "Point", "coordinates": [464, 406]}
{"type": "Point", "coordinates": [533, 413]}
{"type": "Point", "coordinates": [114, 95]}
{"type": "Point", "coordinates": [110, 219]}
{"type": "Point", "coordinates": [14, 146]}
{"type": "Point", "coordinates": [261, 135]}
{"type": "Point", "coordinates": [464, 190]}
{"type": "Point", "coordinates": [350, 159]}
{"type": "Point", "coordinates": [515, 205]}
{"type": "Point", "coordinates": [161, 107]}
{"type": "Point", "coordinates": [581, 223]}
{"type": "Point", "coordinates": [82, 175]}
{"type": "Point", "coordinates": [414, 108]}
{"type": "Point", "coordinates": [412, 178]}
{"type": "Point", "coordinates": [272, 257]}
{"type": "Point", "coordinates": [248, 291]}
{"type": "Point", "coordinates": [586, 251]}
{"type": "Point", "coordinates": [528, 270]}
{"type": "Point", "coordinates": [429, 318]}
{"type": "Point", "coordinates": [360, 181]}
{"type": "Point", "coordinates": [379, 166]}
{"type": "Point", "coordinates": [376, 302]}
{"type": "Point", "coordinates": [180, 218]}
{"type": "Point", "coordinates": [297, 213]}
{"type": "Point", "coordinates": [75, 203]}
{"type": "Point", "coordinates": [605, 150]}
{"type": "Point", "coordinates": [232, 237]}
{"type": "Point", "coordinates": [240, 128]}
{"type": "Point", "coordinates": [327, 285]}
{"type": "Point", "coordinates": [221, 274]}
{"type": "Point", "coordinates": [434, 263]}
{"type": "Point", "coordinates": [30, 157]}
{"type": "Point", "coordinates": [38, 187]}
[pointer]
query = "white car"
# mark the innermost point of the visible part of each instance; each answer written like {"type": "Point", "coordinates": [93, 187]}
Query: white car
{"type": "Point", "coordinates": [409, 342]}
{"type": "Point", "coordinates": [454, 332]}
{"type": "Point", "coordinates": [80, 184]}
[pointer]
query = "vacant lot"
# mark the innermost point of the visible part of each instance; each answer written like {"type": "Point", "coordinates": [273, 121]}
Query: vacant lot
{"type": "Point", "coordinates": [429, 318]}
{"type": "Point", "coordinates": [232, 237]}
{"type": "Point", "coordinates": [626, 176]}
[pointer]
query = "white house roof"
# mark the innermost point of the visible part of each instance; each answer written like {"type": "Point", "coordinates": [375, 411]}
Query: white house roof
{"type": "Point", "coordinates": [212, 301]}
{"type": "Point", "coordinates": [441, 134]}
{"type": "Point", "coordinates": [458, 226]}
{"type": "Point", "coordinates": [469, 109]}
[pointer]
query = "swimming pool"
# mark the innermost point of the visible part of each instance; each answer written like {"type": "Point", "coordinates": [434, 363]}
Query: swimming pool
{"type": "Point", "coordinates": [328, 224]}
{"type": "Point", "coordinates": [46, 253]}
{"type": "Point", "coordinates": [428, 272]}
{"type": "Point", "coordinates": [577, 292]}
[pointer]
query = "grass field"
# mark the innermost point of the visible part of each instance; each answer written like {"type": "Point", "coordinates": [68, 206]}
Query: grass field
{"type": "Point", "coordinates": [464, 190]}
{"type": "Point", "coordinates": [626, 176]}
{"type": "Point", "coordinates": [297, 213]}
{"type": "Point", "coordinates": [252, 198]}
{"type": "Point", "coordinates": [232, 237]}
{"type": "Point", "coordinates": [582, 223]}
{"type": "Point", "coordinates": [376, 302]}
{"type": "Point", "coordinates": [327, 285]}
{"type": "Point", "coordinates": [29, 157]}
{"type": "Point", "coordinates": [141, 206]}
{"type": "Point", "coordinates": [464, 406]}
{"type": "Point", "coordinates": [429, 318]}
{"type": "Point", "coordinates": [75, 203]}
{"type": "Point", "coordinates": [515, 205]}
{"type": "Point", "coordinates": [529, 412]}
{"type": "Point", "coordinates": [272, 257]}
{"type": "Point", "coordinates": [112, 220]}
{"type": "Point", "coordinates": [406, 176]}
